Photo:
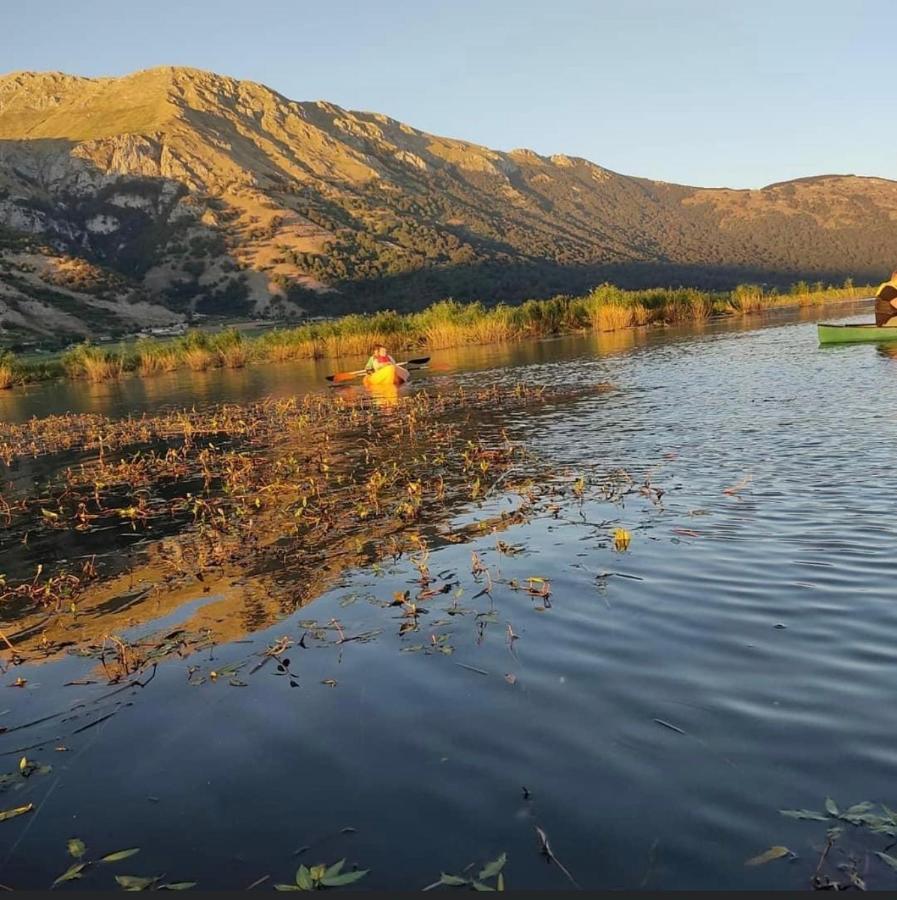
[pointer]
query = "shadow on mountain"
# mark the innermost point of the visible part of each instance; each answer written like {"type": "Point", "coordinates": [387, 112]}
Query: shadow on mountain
{"type": "Point", "coordinates": [513, 283]}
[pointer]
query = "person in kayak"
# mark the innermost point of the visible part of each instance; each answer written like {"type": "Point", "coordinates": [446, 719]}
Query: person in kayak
{"type": "Point", "coordinates": [380, 357]}
{"type": "Point", "coordinates": [886, 302]}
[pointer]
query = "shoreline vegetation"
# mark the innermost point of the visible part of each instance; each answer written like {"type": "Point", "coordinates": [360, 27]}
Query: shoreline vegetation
{"type": "Point", "coordinates": [445, 324]}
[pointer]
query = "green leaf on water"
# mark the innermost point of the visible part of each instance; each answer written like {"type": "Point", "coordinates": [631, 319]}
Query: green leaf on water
{"type": "Point", "coordinates": [134, 882]}
{"type": "Point", "coordinates": [490, 870]}
{"type": "Point", "coordinates": [808, 814]}
{"type": "Point", "coordinates": [335, 869]}
{"type": "Point", "coordinates": [71, 873]}
{"type": "Point", "coordinates": [859, 808]}
{"type": "Point", "coordinates": [831, 807]}
{"type": "Point", "coordinates": [289, 887]}
{"type": "Point", "coordinates": [500, 884]}
{"type": "Point", "coordinates": [76, 848]}
{"type": "Point", "coordinates": [887, 858]}
{"type": "Point", "coordinates": [345, 878]}
{"type": "Point", "coordinates": [452, 880]}
{"type": "Point", "coordinates": [304, 879]}
{"type": "Point", "coordinates": [479, 886]}
{"type": "Point", "coordinates": [119, 855]}
{"type": "Point", "coordinates": [772, 853]}
{"type": "Point", "coordinates": [178, 886]}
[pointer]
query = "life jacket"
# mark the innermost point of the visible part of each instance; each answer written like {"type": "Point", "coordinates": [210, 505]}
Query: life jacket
{"type": "Point", "coordinates": [383, 360]}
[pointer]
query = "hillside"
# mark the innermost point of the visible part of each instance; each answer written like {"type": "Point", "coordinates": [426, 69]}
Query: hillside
{"type": "Point", "coordinates": [213, 195]}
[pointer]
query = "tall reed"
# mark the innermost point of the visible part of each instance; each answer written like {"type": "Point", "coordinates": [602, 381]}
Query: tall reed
{"type": "Point", "coordinates": [92, 363]}
{"type": "Point", "coordinates": [447, 323]}
{"type": "Point", "coordinates": [8, 370]}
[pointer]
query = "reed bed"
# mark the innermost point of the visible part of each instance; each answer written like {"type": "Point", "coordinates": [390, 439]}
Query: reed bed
{"type": "Point", "coordinates": [92, 364]}
{"type": "Point", "coordinates": [9, 370]}
{"type": "Point", "coordinates": [448, 323]}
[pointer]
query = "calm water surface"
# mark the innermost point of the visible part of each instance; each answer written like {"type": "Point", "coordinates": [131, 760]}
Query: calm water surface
{"type": "Point", "coordinates": [761, 623]}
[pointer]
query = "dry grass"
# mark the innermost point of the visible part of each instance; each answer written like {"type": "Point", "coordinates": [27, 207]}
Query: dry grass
{"type": "Point", "coordinates": [198, 358]}
{"type": "Point", "coordinates": [7, 376]}
{"type": "Point", "coordinates": [92, 364]}
{"type": "Point", "coordinates": [611, 316]}
{"type": "Point", "coordinates": [152, 360]}
{"type": "Point", "coordinates": [233, 356]}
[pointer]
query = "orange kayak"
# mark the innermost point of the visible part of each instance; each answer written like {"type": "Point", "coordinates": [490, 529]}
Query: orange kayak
{"type": "Point", "coordinates": [387, 375]}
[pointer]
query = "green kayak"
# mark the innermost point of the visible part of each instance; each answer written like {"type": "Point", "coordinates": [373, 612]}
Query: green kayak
{"type": "Point", "coordinates": [848, 334]}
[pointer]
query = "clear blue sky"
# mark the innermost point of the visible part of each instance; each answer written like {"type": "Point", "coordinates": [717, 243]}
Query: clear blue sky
{"type": "Point", "coordinates": [708, 93]}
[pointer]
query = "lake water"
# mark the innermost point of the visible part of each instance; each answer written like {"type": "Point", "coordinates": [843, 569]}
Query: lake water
{"type": "Point", "coordinates": [754, 612]}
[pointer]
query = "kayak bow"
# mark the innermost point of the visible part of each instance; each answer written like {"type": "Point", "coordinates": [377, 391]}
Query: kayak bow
{"type": "Point", "coordinates": [387, 375]}
{"type": "Point", "coordinates": [849, 334]}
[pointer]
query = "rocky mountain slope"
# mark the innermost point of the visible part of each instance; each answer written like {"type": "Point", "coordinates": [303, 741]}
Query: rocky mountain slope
{"type": "Point", "coordinates": [221, 196]}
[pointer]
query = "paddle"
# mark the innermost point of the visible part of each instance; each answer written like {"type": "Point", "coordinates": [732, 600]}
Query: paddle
{"type": "Point", "coordinates": [348, 376]}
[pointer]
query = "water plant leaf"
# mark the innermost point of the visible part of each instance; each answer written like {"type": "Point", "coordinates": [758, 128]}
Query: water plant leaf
{"type": "Point", "coordinates": [490, 870]}
{"type": "Point", "coordinates": [16, 811]}
{"type": "Point", "coordinates": [177, 886]}
{"type": "Point", "coordinates": [500, 884]}
{"type": "Point", "coordinates": [135, 882]}
{"type": "Point", "coordinates": [71, 873]}
{"type": "Point", "coordinates": [335, 869]}
{"type": "Point", "coordinates": [119, 855]}
{"type": "Point", "coordinates": [808, 814]}
{"type": "Point", "coordinates": [857, 810]}
{"type": "Point", "coordinates": [831, 807]}
{"type": "Point", "coordinates": [452, 880]}
{"type": "Point", "coordinates": [479, 886]}
{"type": "Point", "coordinates": [304, 879]}
{"type": "Point", "coordinates": [772, 853]}
{"type": "Point", "coordinates": [289, 887]}
{"type": "Point", "coordinates": [887, 858]}
{"type": "Point", "coordinates": [76, 848]}
{"type": "Point", "coordinates": [345, 878]}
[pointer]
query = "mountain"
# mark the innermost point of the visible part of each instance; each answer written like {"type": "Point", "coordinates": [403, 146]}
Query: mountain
{"type": "Point", "coordinates": [207, 194]}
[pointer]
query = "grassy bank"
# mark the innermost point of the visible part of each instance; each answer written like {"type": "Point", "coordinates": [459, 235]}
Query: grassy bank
{"type": "Point", "coordinates": [445, 324]}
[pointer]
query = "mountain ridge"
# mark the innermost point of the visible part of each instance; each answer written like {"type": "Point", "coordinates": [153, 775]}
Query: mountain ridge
{"type": "Point", "coordinates": [219, 195]}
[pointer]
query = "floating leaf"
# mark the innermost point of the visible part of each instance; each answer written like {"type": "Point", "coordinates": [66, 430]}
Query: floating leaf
{"type": "Point", "coordinates": [831, 807]}
{"type": "Point", "coordinates": [345, 878]}
{"type": "Point", "coordinates": [17, 811]}
{"type": "Point", "coordinates": [71, 873]}
{"type": "Point", "coordinates": [859, 808]}
{"type": "Point", "coordinates": [808, 814]}
{"type": "Point", "coordinates": [119, 855]}
{"type": "Point", "coordinates": [76, 848]}
{"type": "Point", "coordinates": [887, 858]}
{"type": "Point", "coordinates": [772, 853]}
{"type": "Point", "coordinates": [479, 886]}
{"type": "Point", "coordinates": [178, 886]}
{"type": "Point", "coordinates": [135, 883]}
{"type": "Point", "coordinates": [490, 870]}
{"type": "Point", "coordinates": [335, 869]}
{"type": "Point", "coordinates": [303, 879]}
{"type": "Point", "coordinates": [289, 887]}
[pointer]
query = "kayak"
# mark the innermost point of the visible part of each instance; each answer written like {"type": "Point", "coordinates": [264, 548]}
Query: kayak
{"type": "Point", "coordinates": [392, 375]}
{"type": "Point", "coordinates": [848, 334]}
